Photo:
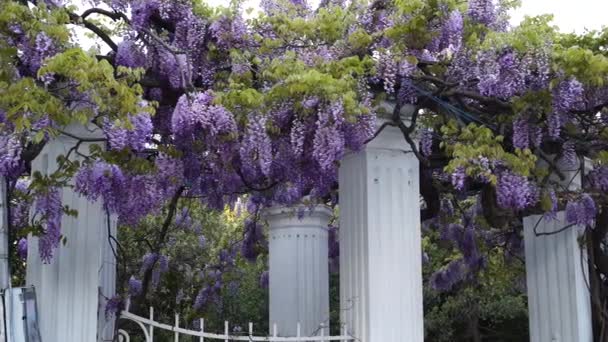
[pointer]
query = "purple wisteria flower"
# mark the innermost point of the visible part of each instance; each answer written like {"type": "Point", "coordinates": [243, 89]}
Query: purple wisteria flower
{"type": "Point", "coordinates": [256, 149]}
{"type": "Point", "coordinates": [515, 192]}
{"type": "Point", "coordinates": [567, 95]}
{"type": "Point", "coordinates": [136, 138]}
{"type": "Point", "coordinates": [114, 306]}
{"type": "Point", "coordinates": [521, 133]}
{"type": "Point", "coordinates": [458, 178]}
{"type": "Point", "coordinates": [599, 178]}
{"type": "Point", "coordinates": [135, 286]}
{"type": "Point", "coordinates": [10, 155]}
{"type": "Point", "coordinates": [482, 11]}
{"type": "Point", "coordinates": [581, 212]}
{"type": "Point", "coordinates": [426, 142]}
{"type": "Point", "coordinates": [48, 207]}
{"type": "Point", "coordinates": [328, 143]}
{"type": "Point", "coordinates": [148, 261]}
{"type": "Point", "coordinates": [445, 279]}
{"type": "Point", "coordinates": [130, 55]}
{"type": "Point", "coordinates": [22, 248]}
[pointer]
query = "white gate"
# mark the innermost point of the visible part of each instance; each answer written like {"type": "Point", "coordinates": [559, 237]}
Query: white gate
{"type": "Point", "coordinates": [148, 325]}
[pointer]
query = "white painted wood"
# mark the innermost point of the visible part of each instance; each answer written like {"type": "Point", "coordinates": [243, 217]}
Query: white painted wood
{"type": "Point", "coordinates": [298, 272]}
{"type": "Point", "coordinates": [146, 324]}
{"type": "Point", "coordinates": [557, 277]}
{"type": "Point", "coordinates": [226, 331]}
{"type": "Point", "coordinates": [380, 242]}
{"type": "Point", "coordinates": [202, 338]}
{"type": "Point", "coordinates": [151, 333]}
{"type": "Point", "coordinates": [69, 289]}
{"type": "Point", "coordinates": [177, 327]}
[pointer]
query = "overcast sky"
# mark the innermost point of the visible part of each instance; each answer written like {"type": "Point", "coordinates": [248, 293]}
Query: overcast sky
{"type": "Point", "coordinates": [570, 15]}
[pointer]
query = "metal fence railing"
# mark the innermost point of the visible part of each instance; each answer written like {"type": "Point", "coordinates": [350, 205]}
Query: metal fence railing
{"type": "Point", "coordinates": [148, 326]}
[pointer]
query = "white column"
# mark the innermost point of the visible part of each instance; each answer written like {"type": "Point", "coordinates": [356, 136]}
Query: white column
{"type": "Point", "coordinates": [68, 289]}
{"type": "Point", "coordinates": [298, 272]}
{"type": "Point", "coordinates": [557, 277]}
{"type": "Point", "coordinates": [380, 242]}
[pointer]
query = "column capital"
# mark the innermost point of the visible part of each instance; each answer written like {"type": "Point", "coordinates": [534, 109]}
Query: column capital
{"type": "Point", "coordinates": [88, 131]}
{"type": "Point", "coordinates": [283, 216]}
{"type": "Point", "coordinates": [391, 138]}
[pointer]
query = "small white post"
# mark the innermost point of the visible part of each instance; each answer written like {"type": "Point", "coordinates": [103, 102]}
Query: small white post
{"type": "Point", "coordinates": [226, 331]}
{"type": "Point", "coordinates": [298, 268]}
{"type": "Point", "coordinates": [250, 329]}
{"type": "Point", "coordinates": [380, 240]}
{"type": "Point", "coordinates": [298, 330]}
{"type": "Point", "coordinates": [202, 323]}
{"type": "Point", "coordinates": [274, 330]}
{"type": "Point", "coordinates": [176, 326]}
{"type": "Point", "coordinates": [151, 326]}
{"type": "Point", "coordinates": [559, 303]}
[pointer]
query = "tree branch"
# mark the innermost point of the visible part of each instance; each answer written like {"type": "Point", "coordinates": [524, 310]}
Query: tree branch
{"type": "Point", "coordinates": [76, 19]}
{"type": "Point", "coordinates": [160, 240]}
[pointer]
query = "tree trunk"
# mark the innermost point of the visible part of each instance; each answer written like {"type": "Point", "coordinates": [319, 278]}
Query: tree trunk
{"type": "Point", "coordinates": [597, 270]}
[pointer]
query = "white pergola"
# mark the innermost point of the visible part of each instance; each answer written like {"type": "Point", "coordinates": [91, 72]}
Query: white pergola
{"type": "Point", "coordinates": [380, 259]}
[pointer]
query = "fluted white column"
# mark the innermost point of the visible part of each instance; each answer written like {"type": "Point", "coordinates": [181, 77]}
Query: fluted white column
{"type": "Point", "coordinates": [298, 273]}
{"type": "Point", "coordinates": [557, 277]}
{"type": "Point", "coordinates": [380, 242]}
{"type": "Point", "coordinates": [69, 288]}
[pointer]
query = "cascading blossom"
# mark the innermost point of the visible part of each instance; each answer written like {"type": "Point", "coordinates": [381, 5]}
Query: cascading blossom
{"type": "Point", "coordinates": [102, 180]}
{"type": "Point", "coordinates": [130, 55]}
{"type": "Point", "coordinates": [500, 75]}
{"type": "Point", "coordinates": [121, 137]}
{"type": "Point", "coordinates": [567, 95]}
{"type": "Point", "coordinates": [458, 178]}
{"type": "Point", "coordinates": [48, 208]}
{"type": "Point", "coordinates": [135, 286]}
{"type": "Point", "coordinates": [229, 32]}
{"type": "Point", "coordinates": [599, 178]}
{"type": "Point", "coordinates": [449, 276]}
{"type": "Point", "coordinates": [521, 133]}
{"type": "Point", "coordinates": [515, 192]}
{"type": "Point", "coordinates": [581, 212]}
{"type": "Point", "coordinates": [10, 155]}
{"type": "Point", "coordinates": [256, 148]}
{"type": "Point", "coordinates": [482, 11]}
{"type": "Point", "coordinates": [196, 113]}
{"type": "Point", "coordinates": [328, 144]}
{"type": "Point", "coordinates": [22, 248]}
{"type": "Point", "coordinates": [426, 142]}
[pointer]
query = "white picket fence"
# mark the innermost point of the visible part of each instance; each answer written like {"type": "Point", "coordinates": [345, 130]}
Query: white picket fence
{"type": "Point", "coordinates": [148, 325]}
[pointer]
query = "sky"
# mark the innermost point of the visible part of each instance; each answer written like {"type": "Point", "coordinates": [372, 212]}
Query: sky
{"type": "Point", "coordinates": [569, 15]}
